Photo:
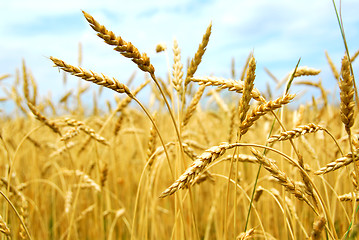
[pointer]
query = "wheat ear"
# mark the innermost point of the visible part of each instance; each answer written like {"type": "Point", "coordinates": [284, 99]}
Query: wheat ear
{"type": "Point", "coordinates": [332, 66]}
{"type": "Point", "coordinates": [262, 110]}
{"type": "Point", "coordinates": [4, 228]}
{"type": "Point", "coordinates": [124, 102]}
{"type": "Point", "coordinates": [127, 49]}
{"type": "Point", "coordinates": [318, 227]}
{"type": "Point", "coordinates": [347, 89]}
{"type": "Point", "coordinates": [177, 67]}
{"type": "Point", "coordinates": [230, 84]}
{"type": "Point", "coordinates": [68, 201]}
{"type": "Point", "coordinates": [192, 68]}
{"type": "Point", "coordinates": [152, 141]}
{"type": "Point", "coordinates": [349, 197]}
{"type": "Point", "coordinates": [66, 96]}
{"type": "Point", "coordinates": [71, 133]}
{"type": "Point", "coordinates": [241, 158]}
{"type": "Point", "coordinates": [118, 123]}
{"type": "Point", "coordinates": [247, 89]}
{"type": "Point", "coordinates": [197, 167]}
{"type": "Point", "coordinates": [51, 124]}
{"type": "Point", "coordinates": [271, 75]}
{"type": "Point", "coordinates": [92, 77]}
{"type": "Point", "coordinates": [298, 72]}
{"type": "Point", "coordinates": [193, 105]}
{"type": "Point", "coordinates": [338, 163]}
{"type": "Point", "coordinates": [346, 95]}
{"type": "Point", "coordinates": [243, 74]}
{"type": "Point", "coordinates": [85, 178]}
{"type": "Point", "coordinates": [317, 85]}
{"type": "Point", "coordinates": [246, 235]}
{"type": "Point", "coordinates": [4, 76]}
{"type": "Point", "coordinates": [104, 174]}
{"type": "Point", "coordinates": [83, 127]}
{"type": "Point", "coordinates": [355, 55]}
{"type": "Point", "coordinates": [282, 178]}
{"type": "Point", "coordinates": [61, 150]}
{"type": "Point", "coordinates": [306, 71]}
{"type": "Point", "coordinates": [26, 82]}
{"type": "Point", "coordinates": [296, 132]}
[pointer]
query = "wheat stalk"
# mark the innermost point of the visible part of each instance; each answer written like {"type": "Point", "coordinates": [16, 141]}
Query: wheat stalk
{"type": "Point", "coordinates": [233, 68]}
{"type": "Point", "coordinates": [232, 123]}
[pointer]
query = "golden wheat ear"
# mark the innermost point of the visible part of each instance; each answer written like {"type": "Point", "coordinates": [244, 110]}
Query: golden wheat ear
{"type": "Point", "coordinates": [196, 60]}
{"type": "Point", "coordinates": [346, 85]}
{"type": "Point", "coordinates": [127, 49]}
{"type": "Point", "coordinates": [92, 77]}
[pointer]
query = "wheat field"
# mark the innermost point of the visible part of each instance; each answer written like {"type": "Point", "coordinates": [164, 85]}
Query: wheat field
{"type": "Point", "coordinates": [257, 166]}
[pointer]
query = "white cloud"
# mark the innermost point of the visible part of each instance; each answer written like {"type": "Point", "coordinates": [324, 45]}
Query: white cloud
{"type": "Point", "coordinates": [278, 31]}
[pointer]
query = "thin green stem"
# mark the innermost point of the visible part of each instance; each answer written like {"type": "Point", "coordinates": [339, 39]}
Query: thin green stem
{"type": "Point", "coordinates": [350, 225]}
{"type": "Point", "coordinates": [340, 23]}
{"type": "Point", "coordinates": [256, 181]}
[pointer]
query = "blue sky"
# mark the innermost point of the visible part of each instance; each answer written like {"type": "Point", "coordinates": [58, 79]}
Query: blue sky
{"type": "Point", "coordinates": [278, 31]}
